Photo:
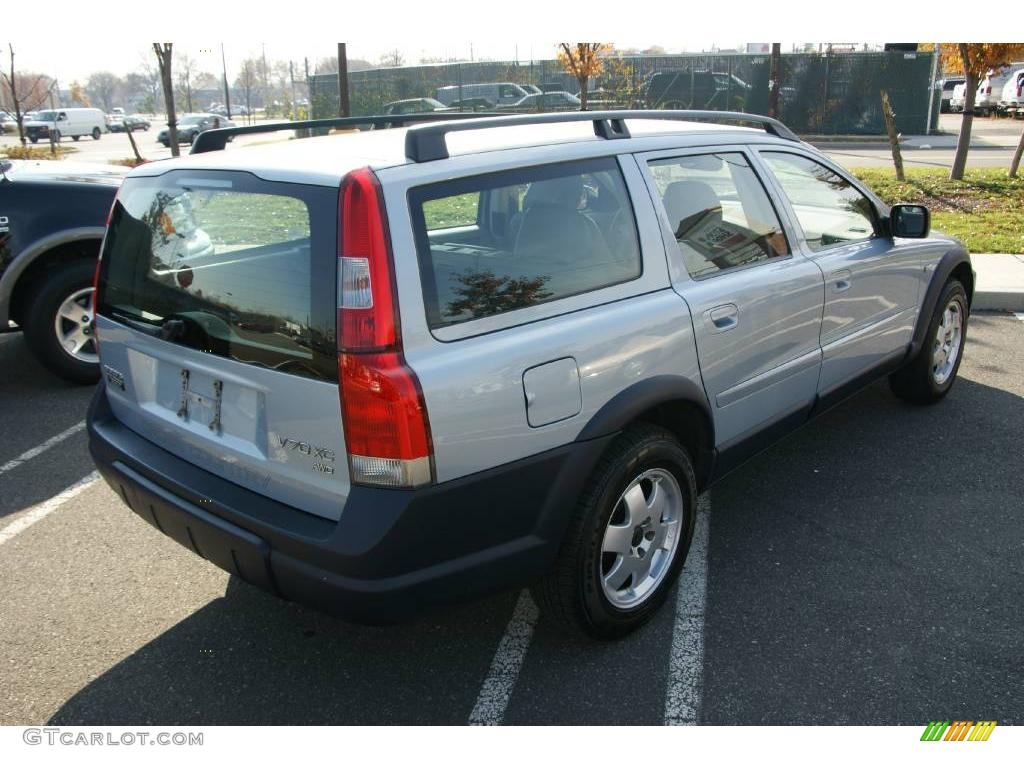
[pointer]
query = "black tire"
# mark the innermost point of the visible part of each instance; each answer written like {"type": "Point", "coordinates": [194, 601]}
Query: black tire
{"type": "Point", "coordinates": [41, 313]}
{"type": "Point", "coordinates": [33, 139]}
{"type": "Point", "coordinates": [915, 381]}
{"type": "Point", "coordinates": [96, 133]}
{"type": "Point", "coordinates": [76, 138]}
{"type": "Point", "coordinates": [572, 594]}
{"type": "Point", "coordinates": [166, 144]}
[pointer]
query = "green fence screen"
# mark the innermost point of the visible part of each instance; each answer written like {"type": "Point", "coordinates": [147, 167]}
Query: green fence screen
{"type": "Point", "coordinates": [827, 94]}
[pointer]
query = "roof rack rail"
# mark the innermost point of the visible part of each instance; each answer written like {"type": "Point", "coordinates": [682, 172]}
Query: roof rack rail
{"type": "Point", "coordinates": [216, 138]}
{"type": "Point", "coordinates": [427, 142]}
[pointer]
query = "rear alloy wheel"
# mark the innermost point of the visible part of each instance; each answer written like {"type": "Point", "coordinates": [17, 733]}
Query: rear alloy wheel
{"type": "Point", "coordinates": [628, 538]}
{"type": "Point", "coordinates": [928, 377]}
{"type": "Point", "coordinates": [59, 327]}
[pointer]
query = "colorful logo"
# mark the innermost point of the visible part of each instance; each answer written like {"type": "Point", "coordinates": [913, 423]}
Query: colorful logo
{"type": "Point", "coordinates": [959, 730]}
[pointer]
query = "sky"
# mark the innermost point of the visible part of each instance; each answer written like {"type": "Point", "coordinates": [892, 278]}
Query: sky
{"type": "Point", "coordinates": [75, 39]}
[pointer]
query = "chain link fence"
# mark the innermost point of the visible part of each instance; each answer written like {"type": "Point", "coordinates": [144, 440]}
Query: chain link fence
{"type": "Point", "coordinates": [827, 94]}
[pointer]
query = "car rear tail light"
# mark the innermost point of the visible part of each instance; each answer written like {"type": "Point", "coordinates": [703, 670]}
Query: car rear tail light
{"type": "Point", "coordinates": [387, 432]}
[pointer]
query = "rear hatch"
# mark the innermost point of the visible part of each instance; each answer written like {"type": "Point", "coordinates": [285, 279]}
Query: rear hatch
{"type": "Point", "coordinates": [216, 315]}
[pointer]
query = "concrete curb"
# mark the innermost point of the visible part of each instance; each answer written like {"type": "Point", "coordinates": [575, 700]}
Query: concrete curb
{"type": "Point", "coordinates": [999, 281]}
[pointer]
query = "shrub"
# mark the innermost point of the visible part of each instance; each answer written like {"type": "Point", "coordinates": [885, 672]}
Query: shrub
{"type": "Point", "coordinates": [19, 152]}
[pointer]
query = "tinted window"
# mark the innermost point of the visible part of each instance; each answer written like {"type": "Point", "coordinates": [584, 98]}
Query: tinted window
{"type": "Point", "coordinates": [719, 212]}
{"type": "Point", "coordinates": [496, 243]}
{"type": "Point", "coordinates": [829, 208]}
{"type": "Point", "coordinates": [233, 260]}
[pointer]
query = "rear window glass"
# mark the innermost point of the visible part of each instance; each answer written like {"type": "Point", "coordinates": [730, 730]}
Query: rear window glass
{"type": "Point", "coordinates": [492, 244]}
{"type": "Point", "coordinates": [227, 264]}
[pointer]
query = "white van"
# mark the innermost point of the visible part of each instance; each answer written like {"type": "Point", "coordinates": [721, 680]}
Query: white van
{"type": "Point", "coordinates": [75, 122]}
{"type": "Point", "coordinates": [1012, 99]}
{"type": "Point", "coordinates": [496, 94]}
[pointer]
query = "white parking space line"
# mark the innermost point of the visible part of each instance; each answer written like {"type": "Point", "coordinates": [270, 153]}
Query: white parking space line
{"type": "Point", "coordinates": [33, 452]}
{"type": "Point", "coordinates": [686, 662]}
{"type": "Point", "coordinates": [497, 687]}
{"type": "Point", "coordinates": [37, 513]}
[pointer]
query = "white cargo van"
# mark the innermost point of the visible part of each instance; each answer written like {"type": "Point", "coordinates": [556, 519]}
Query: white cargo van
{"type": "Point", "coordinates": [75, 122]}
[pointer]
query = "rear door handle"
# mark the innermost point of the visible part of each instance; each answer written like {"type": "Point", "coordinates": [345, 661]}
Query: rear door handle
{"type": "Point", "coordinates": [840, 280]}
{"type": "Point", "coordinates": [723, 317]}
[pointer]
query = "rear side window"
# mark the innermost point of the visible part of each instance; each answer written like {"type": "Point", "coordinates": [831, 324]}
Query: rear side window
{"type": "Point", "coordinates": [227, 264]}
{"type": "Point", "coordinates": [496, 243]}
{"type": "Point", "coordinates": [719, 212]}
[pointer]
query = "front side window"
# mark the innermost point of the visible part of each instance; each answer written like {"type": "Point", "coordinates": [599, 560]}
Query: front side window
{"type": "Point", "coordinates": [719, 212]}
{"type": "Point", "coordinates": [829, 208]}
{"type": "Point", "coordinates": [497, 243]}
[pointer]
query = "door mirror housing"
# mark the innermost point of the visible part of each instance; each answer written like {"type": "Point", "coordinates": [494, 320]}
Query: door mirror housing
{"type": "Point", "coordinates": [906, 220]}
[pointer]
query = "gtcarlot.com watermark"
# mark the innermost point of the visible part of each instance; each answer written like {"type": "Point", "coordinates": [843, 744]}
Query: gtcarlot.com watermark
{"type": "Point", "coordinates": [74, 737]}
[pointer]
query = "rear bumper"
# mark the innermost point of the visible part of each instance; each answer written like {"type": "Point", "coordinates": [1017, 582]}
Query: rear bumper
{"type": "Point", "coordinates": [390, 555]}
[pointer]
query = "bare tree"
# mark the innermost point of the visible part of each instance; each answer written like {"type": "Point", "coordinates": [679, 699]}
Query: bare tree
{"type": "Point", "coordinates": [248, 76]}
{"type": "Point", "coordinates": [23, 92]}
{"type": "Point", "coordinates": [1015, 163]}
{"type": "Point", "coordinates": [103, 87]}
{"type": "Point", "coordinates": [392, 58]}
{"type": "Point", "coordinates": [894, 139]}
{"type": "Point", "coordinates": [164, 54]}
{"type": "Point", "coordinates": [185, 69]}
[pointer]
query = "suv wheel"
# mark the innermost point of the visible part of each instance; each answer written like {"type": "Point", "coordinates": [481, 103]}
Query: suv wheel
{"type": "Point", "coordinates": [59, 323]}
{"type": "Point", "coordinates": [930, 375]}
{"type": "Point", "coordinates": [627, 540]}
{"type": "Point", "coordinates": [96, 134]}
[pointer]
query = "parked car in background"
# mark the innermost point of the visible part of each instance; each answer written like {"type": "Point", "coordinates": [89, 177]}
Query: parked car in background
{"type": "Point", "coordinates": [472, 105]}
{"type": "Point", "coordinates": [115, 123]}
{"type": "Point", "coordinates": [498, 94]}
{"type": "Point", "coordinates": [947, 85]}
{"type": "Point", "coordinates": [517, 363]}
{"type": "Point", "coordinates": [8, 123]}
{"type": "Point", "coordinates": [1011, 101]}
{"type": "Point", "coordinates": [414, 106]}
{"type": "Point", "coordinates": [52, 220]}
{"type": "Point", "coordinates": [550, 101]}
{"type": "Point", "coordinates": [990, 90]}
{"type": "Point", "coordinates": [71, 121]}
{"type": "Point", "coordinates": [959, 98]}
{"type": "Point", "coordinates": [137, 123]}
{"type": "Point", "coordinates": [699, 89]}
{"type": "Point", "coordinates": [190, 126]}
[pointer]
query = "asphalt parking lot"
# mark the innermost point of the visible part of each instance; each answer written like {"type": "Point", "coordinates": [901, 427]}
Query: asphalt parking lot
{"type": "Point", "coordinates": [867, 570]}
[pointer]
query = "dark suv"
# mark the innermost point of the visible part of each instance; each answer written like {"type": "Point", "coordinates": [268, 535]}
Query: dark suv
{"type": "Point", "coordinates": [52, 218]}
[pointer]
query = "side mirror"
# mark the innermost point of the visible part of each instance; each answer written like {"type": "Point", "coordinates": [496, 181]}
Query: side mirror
{"type": "Point", "coordinates": [909, 221]}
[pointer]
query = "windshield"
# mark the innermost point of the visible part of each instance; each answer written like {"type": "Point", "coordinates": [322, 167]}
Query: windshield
{"type": "Point", "coordinates": [46, 115]}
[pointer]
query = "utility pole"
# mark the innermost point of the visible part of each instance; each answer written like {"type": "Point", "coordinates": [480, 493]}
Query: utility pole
{"type": "Point", "coordinates": [773, 77]}
{"type": "Point", "coordinates": [224, 69]}
{"type": "Point", "coordinates": [343, 110]}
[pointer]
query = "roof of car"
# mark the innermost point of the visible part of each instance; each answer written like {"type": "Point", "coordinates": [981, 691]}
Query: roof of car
{"type": "Point", "coordinates": [65, 171]}
{"type": "Point", "coordinates": [326, 159]}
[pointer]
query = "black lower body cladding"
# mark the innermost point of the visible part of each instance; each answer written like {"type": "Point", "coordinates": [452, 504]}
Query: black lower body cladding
{"type": "Point", "coordinates": [391, 554]}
